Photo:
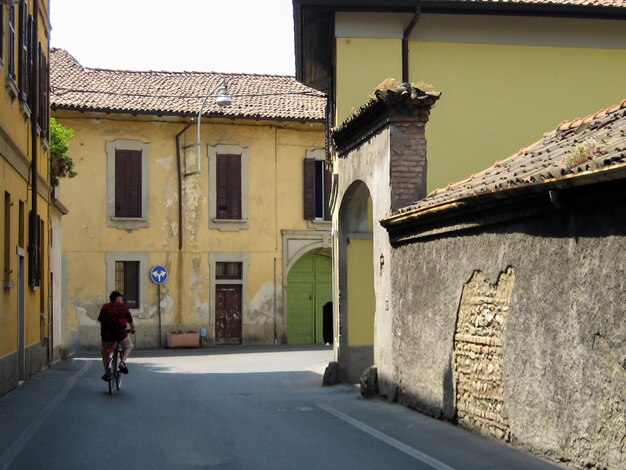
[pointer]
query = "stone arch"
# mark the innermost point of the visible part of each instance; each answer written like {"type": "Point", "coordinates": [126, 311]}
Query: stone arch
{"type": "Point", "coordinates": [355, 268]}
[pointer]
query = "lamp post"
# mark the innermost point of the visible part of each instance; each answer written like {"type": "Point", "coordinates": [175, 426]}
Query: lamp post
{"type": "Point", "coordinates": [222, 100]}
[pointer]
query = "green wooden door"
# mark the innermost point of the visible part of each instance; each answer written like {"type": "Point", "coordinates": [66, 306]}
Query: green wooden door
{"type": "Point", "coordinates": [308, 290]}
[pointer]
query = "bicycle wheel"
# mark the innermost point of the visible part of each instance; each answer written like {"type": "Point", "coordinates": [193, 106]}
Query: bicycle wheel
{"type": "Point", "coordinates": [118, 374]}
{"type": "Point", "coordinates": [114, 370]}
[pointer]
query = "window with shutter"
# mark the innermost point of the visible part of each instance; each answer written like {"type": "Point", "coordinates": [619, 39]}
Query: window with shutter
{"type": "Point", "coordinates": [25, 39]}
{"type": "Point", "coordinates": [11, 45]}
{"type": "Point", "coordinates": [1, 35]}
{"type": "Point", "coordinates": [7, 239]}
{"type": "Point", "coordinates": [127, 281]}
{"type": "Point", "coordinates": [128, 184]}
{"type": "Point", "coordinates": [316, 188]}
{"type": "Point", "coordinates": [44, 86]}
{"type": "Point", "coordinates": [228, 187]}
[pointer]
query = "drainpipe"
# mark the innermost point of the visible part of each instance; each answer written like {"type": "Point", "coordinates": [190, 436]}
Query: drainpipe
{"type": "Point", "coordinates": [405, 45]}
{"type": "Point", "coordinates": [180, 187]}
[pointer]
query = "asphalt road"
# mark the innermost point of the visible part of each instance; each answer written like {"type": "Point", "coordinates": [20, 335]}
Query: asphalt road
{"type": "Point", "coordinates": [231, 408]}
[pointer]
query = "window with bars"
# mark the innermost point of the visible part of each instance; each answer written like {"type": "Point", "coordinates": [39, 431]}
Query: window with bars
{"type": "Point", "coordinates": [228, 270]}
{"type": "Point", "coordinates": [128, 183]}
{"type": "Point", "coordinates": [127, 281]}
{"type": "Point", "coordinates": [228, 187]}
{"type": "Point", "coordinates": [316, 190]}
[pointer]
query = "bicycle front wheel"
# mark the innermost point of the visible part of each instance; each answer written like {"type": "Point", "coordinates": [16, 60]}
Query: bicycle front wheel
{"type": "Point", "coordinates": [118, 379]}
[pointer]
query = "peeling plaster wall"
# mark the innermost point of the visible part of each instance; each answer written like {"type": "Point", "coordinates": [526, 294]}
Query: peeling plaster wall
{"type": "Point", "coordinates": [370, 165]}
{"type": "Point", "coordinates": [276, 152]}
{"type": "Point", "coordinates": [563, 349]}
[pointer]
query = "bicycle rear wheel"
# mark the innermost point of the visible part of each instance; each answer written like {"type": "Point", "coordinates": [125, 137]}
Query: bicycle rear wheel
{"type": "Point", "coordinates": [110, 382]}
{"type": "Point", "coordinates": [117, 373]}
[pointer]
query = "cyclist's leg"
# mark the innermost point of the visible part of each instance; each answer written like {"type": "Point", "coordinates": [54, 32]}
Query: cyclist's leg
{"type": "Point", "coordinates": [105, 355]}
{"type": "Point", "coordinates": [127, 347]}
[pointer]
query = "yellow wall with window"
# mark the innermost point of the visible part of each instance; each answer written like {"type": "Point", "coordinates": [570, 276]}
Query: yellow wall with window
{"type": "Point", "coordinates": [274, 182]}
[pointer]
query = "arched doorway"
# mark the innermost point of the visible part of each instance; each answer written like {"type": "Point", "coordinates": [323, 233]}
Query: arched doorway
{"type": "Point", "coordinates": [357, 301]}
{"type": "Point", "coordinates": [309, 289]}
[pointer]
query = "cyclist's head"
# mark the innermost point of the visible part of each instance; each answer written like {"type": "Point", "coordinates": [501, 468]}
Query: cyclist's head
{"type": "Point", "coordinates": [114, 295]}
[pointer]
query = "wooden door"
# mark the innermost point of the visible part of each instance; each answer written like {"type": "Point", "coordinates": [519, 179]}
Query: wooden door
{"type": "Point", "coordinates": [228, 314]}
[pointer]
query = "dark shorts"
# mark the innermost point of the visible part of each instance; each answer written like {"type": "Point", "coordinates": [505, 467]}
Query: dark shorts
{"type": "Point", "coordinates": [126, 344]}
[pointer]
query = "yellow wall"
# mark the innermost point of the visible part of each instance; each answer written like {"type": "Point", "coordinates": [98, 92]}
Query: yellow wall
{"type": "Point", "coordinates": [362, 63]}
{"type": "Point", "coordinates": [276, 154]}
{"type": "Point", "coordinates": [497, 97]}
{"type": "Point", "coordinates": [361, 301]}
{"type": "Point", "coordinates": [15, 160]}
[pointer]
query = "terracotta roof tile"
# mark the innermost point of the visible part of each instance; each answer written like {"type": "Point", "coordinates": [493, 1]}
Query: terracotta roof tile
{"type": "Point", "coordinates": [73, 86]}
{"type": "Point", "coordinates": [594, 143]}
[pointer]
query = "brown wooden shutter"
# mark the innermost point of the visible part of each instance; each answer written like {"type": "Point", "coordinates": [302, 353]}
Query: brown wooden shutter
{"type": "Point", "coordinates": [309, 188]}
{"type": "Point", "coordinates": [228, 187]}
{"type": "Point", "coordinates": [221, 183]}
{"type": "Point", "coordinates": [327, 186]}
{"type": "Point", "coordinates": [128, 184]}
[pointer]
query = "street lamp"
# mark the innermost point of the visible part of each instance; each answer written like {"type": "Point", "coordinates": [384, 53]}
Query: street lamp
{"type": "Point", "coordinates": [222, 100]}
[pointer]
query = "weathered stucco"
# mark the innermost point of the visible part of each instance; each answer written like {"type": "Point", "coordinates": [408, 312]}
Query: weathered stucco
{"type": "Point", "coordinates": [563, 351]}
{"type": "Point", "coordinates": [92, 242]}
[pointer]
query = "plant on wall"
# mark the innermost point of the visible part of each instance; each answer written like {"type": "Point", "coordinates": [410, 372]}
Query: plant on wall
{"type": "Point", "coordinates": [61, 164]}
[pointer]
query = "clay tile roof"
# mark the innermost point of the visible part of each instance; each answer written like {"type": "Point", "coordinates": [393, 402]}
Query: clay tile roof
{"type": "Point", "coordinates": [583, 146]}
{"type": "Point", "coordinates": [274, 97]}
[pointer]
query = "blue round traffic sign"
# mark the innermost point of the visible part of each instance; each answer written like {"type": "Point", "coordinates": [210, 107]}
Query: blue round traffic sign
{"type": "Point", "coordinates": [158, 274]}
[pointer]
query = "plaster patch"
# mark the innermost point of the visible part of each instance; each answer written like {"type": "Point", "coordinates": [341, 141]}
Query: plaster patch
{"type": "Point", "coordinates": [262, 304]}
{"type": "Point", "coordinates": [169, 196]}
{"type": "Point", "coordinates": [478, 357]}
{"type": "Point", "coordinates": [165, 163]}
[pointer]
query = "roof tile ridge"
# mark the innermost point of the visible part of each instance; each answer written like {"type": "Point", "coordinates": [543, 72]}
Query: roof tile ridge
{"type": "Point", "coordinates": [574, 123]}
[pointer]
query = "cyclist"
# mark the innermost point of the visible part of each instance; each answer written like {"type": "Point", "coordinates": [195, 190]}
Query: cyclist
{"type": "Point", "coordinates": [115, 319]}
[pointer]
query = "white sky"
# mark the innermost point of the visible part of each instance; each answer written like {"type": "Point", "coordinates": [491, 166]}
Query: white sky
{"type": "Point", "coordinates": [249, 36]}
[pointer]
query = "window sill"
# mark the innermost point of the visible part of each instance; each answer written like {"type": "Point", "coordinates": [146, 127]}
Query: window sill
{"type": "Point", "coordinates": [319, 224]}
{"type": "Point", "coordinates": [25, 110]}
{"type": "Point", "coordinates": [128, 223]}
{"type": "Point", "coordinates": [229, 221]}
{"type": "Point", "coordinates": [11, 88]}
{"type": "Point", "coordinates": [228, 225]}
{"type": "Point", "coordinates": [129, 219]}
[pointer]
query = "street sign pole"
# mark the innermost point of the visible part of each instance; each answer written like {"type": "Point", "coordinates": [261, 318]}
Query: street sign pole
{"type": "Point", "coordinates": [159, 312]}
{"type": "Point", "coordinates": [159, 274]}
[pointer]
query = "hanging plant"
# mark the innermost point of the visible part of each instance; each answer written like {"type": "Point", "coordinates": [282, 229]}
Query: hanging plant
{"type": "Point", "coordinates": [61, 164]}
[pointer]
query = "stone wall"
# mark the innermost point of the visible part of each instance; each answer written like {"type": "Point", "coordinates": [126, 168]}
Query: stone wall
{"type": "Point", "coordinates": [550, 374]}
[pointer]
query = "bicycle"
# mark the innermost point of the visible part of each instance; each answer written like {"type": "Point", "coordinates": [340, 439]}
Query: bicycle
{"type": "Point", "coordinates": [114, 355]}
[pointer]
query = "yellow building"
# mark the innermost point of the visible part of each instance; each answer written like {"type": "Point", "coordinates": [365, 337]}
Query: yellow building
{"type": "Point", "coordinates": [28, 340]}
{"type": "Point", "coordinates": [230, 200]}
{"type": "Point", "coordinates": [506, 72]}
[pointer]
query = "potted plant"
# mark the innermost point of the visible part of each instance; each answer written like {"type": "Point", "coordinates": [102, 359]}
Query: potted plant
{"type": "Point", "coordinates": [183, 339]}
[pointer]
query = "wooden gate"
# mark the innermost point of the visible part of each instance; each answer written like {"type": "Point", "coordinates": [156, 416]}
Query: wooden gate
{"type": "Point", "coordinates": [227, 314]}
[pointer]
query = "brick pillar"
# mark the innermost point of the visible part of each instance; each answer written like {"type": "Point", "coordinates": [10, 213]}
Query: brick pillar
{"type": "Point", "coordinates": [403, 112]}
